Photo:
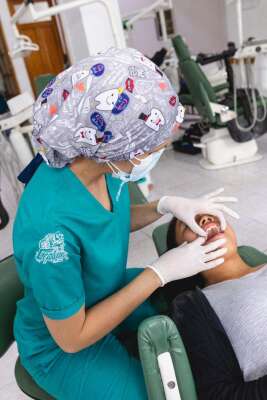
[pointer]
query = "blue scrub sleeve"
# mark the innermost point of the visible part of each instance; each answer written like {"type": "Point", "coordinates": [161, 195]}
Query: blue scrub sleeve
{"type": "Point", "coordinates": [55, 274]}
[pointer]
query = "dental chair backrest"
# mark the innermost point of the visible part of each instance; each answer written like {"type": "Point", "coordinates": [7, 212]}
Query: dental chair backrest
{"type": "Point", "coordinates": [11, 290]}
{"type": "Point", "coordinates": [199, 87]}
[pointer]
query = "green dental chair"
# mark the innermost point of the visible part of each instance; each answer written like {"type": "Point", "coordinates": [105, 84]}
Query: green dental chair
{"type": "Point", "coordinates": [158, 335]}
{"type": "Point", "coordinates": [202, 95]}
{"type": "Point", "coordinates": [165, 364]}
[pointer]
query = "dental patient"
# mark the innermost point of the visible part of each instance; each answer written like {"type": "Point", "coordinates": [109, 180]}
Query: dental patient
{"type": "Point", "coordinates": [222, 318]}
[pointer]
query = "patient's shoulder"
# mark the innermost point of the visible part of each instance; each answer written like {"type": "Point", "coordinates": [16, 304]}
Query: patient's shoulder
{"type": "Point", "coordinates": [188, 304]}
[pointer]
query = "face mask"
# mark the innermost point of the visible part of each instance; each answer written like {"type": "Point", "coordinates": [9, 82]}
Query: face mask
{"type": "Point", "coordinates": [139, 171]}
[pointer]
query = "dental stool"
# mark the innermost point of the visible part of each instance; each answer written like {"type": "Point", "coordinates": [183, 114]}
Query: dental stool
{"type": "Point", "coordinates": [166, 367]}
{"type": "Point", "coordinates": [11, 290]}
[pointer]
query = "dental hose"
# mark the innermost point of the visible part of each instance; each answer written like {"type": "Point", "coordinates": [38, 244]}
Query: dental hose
{"type": "Point", "coordinates": [254, 107]}
{"type": "Point", "coordinates": [261, 97]}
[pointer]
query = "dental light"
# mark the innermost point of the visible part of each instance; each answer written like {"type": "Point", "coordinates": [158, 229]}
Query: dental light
{"type": "Point", "coordinates": [148, 12]}
{"type": "Point", "coordinates": [24, 46]}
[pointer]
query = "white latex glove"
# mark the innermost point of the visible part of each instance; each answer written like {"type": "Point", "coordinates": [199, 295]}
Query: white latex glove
{"type": "Point", "coordinates": [186, 210]}
{"type": "Point", "coordinates": [188, 259]}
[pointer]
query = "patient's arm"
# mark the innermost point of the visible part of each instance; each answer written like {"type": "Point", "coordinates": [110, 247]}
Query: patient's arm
{"type": "Point", "coordinates": [214, 365]}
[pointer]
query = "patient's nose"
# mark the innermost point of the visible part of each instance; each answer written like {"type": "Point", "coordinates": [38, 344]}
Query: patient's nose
{"type": "Point", "coordinates": [205, 219]}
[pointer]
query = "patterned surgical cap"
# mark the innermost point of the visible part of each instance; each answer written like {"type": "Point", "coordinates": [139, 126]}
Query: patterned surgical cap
{"type": "Point", "coordinates": [109, 107]}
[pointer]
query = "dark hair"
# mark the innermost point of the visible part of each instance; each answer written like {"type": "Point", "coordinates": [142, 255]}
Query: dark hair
{"type": "Point", "coordinates": [181, 285]}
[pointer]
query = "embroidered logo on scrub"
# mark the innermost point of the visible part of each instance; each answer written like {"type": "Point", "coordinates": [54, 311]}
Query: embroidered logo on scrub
{"type": "Point", "coordinates": [52, 249]}
{"type": "Point", "coordinates": [153, 120]}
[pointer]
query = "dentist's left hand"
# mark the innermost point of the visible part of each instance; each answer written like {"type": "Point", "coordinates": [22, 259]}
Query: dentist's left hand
{"type": "Point", "coordinates": [186, 210]}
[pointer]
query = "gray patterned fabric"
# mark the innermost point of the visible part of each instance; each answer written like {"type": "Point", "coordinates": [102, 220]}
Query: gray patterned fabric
{"type": "Point", "coordinates": [112, 106]}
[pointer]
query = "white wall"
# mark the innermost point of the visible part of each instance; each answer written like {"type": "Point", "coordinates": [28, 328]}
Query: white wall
{"type": "Point", "coordinates": [143, 37]}
{"type": "Point", "coordinates": [254, 17]}
{"type": "Point", "coordinates": [88, 29]}
{"type": "Point", "coordinates": [202, 23]}
{"type": "Point", "coordinates": [74, 33]}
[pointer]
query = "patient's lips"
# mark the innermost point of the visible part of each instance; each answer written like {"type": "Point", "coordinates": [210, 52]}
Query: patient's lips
{"type": "Point", "coordinates": [211, 226]}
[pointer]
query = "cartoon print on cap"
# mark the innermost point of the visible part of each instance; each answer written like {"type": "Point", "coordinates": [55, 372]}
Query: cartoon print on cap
{"type": "Point", "coordinates": [121, 104]}
{"type": "Point", "coordinates": [84, 106]}
{"type": "Point", "coordinates": [148, 63]}
{"type": "Point", "coordinates": [172, 100]}
{"type": "Point", "coordinates": [135, 72]}
{"type": "Point", "coordinates": [86, 135]}
{"type": "Point", "coordinates": [78, 80]}
{"type": "Point", "coordinates": [98, 69]}
{"type": "Point", "coordinates": [107, 99]}
{"type": "Point", "coordinates": [65, 94]}
{"type": "Point", "coordinates": [47, 92]}
{"type": "Point", "coordinates": [105, 137]}
{"type": "Point", "coordinates": [153, 120]}
{"type": "Point", "coordinates": [180, 113]}
{"type": "Point", "coordinates": [101, 135]}
{"type": "Point", "coordinates": [129, 85]}
{"type": "Point", "coordinates": [98, 121]}
{"type": "Point", "coordinates": [113, 100]}
{"type": "Point", "coordinates": [78, 76]}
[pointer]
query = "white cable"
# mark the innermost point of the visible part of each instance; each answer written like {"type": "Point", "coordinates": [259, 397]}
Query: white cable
{"type": "Point", "coordinates": [259, 119]}
{"type": "Point", "coordinates": [254, 105]}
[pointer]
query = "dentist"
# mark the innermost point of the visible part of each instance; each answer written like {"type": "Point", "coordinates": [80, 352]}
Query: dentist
{"type": "Point", "coordinates": [103, 122]}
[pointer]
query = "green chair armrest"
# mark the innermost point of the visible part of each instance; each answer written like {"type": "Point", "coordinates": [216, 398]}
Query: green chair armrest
{"type": "Point", "coordinates": [252, 256]}
{"type": "Point", "coordinates": [157, 335]}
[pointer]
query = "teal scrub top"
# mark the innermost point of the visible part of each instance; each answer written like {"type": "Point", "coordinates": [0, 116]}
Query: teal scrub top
{"type": "Point", "coordinates": [69, 251]}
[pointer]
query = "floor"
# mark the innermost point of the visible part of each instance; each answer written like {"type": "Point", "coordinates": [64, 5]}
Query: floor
{"type": "Point", "coordinates": [181, 175]}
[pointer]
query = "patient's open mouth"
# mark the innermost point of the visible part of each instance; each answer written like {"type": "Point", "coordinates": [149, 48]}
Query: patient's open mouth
{"type": "Point", "coordinates": [212, 229]}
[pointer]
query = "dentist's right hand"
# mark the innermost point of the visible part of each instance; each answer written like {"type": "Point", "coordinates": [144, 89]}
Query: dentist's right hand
{"type": "Point", "coordinates": [189, 259]}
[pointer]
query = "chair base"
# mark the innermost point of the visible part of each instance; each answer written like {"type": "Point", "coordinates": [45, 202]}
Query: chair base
{"type": "Point", "coordinates": [28, 385]}
{"type": "Point", "coordinates": [207, 165]}
{"type": "Point", "coordinates": [219, 150]}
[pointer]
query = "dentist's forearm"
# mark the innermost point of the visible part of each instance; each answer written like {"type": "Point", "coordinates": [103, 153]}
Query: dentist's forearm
{"type": "Point", "coordinates": [109, 313]}
{"type": "Point", "coordinates": [143, 215]}
{"type": "Point", "coordinates": [87, 326]}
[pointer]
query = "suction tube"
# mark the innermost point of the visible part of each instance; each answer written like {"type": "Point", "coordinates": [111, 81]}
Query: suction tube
{"type": "Point", "coordinates": [254, 105]}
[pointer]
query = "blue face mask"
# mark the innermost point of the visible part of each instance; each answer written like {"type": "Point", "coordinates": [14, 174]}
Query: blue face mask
{"type": "Point", "coordinates": [139, 171]}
